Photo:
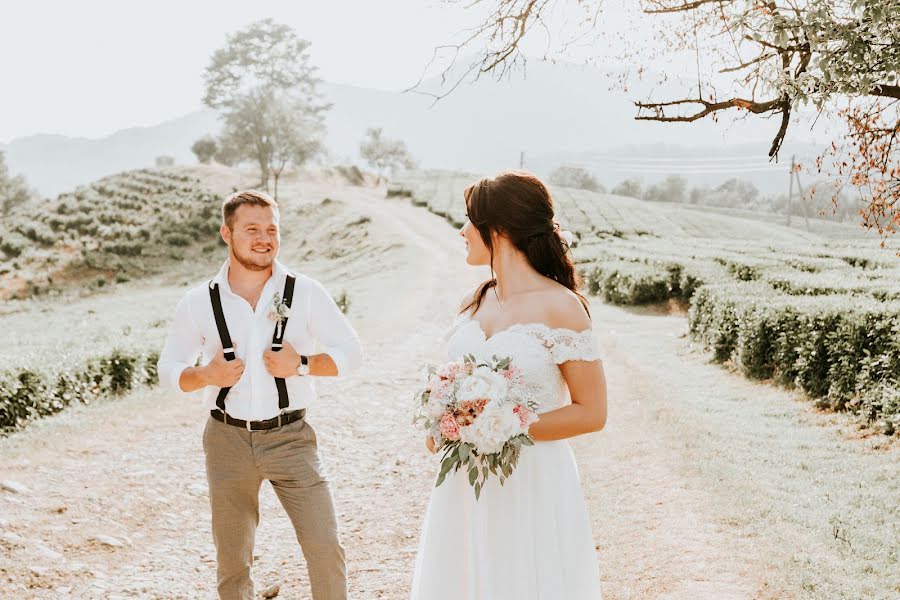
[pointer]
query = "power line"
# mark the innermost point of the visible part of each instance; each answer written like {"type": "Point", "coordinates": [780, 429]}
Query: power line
{"type": "Point", "coordinates": [660, 159]}
{"type": "Point", "coordinates": [691, 170]}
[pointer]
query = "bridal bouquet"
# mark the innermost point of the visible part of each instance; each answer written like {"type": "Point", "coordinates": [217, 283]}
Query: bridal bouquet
{"type": "Point", "coordinates": [478, 413]}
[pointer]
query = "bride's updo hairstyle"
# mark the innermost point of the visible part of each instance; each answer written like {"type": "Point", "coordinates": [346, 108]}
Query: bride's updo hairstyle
{"type": "Point", "coordinates": [517, 205]}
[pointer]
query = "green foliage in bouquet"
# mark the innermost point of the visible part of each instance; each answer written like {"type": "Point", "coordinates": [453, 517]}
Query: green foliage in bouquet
{"type": "Point", "coordinates": [459, 455]}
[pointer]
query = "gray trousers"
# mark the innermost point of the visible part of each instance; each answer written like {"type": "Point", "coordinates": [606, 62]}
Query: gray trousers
{"type": "Point", "coordinates": [237, 462]}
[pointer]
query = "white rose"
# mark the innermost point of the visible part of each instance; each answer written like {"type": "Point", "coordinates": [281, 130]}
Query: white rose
{"type": "Point", "coordinates": [435, 408]}
{"type": "Point", "coordinates": [494, 426]}
{"type": "Point", "coordinates": [483, 383]}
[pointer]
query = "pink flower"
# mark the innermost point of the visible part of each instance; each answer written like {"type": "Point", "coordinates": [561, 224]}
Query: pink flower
{"type": "Point", "coordinates": [512, 373]}
{"type": "Point", "coordinates": [449, 428]}
{"type": "Point", "coordinates": [526, 416]}
{"type": "Point", "coordinates": [449, 370]}
{"type": "Point", "coordinates": [440, 387]}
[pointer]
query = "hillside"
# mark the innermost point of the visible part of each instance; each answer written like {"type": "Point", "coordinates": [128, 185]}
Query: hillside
{"type": "Point", "coordinates": [129, 225]}
{"type": "Point", "coordinates": [54, 164]}
{"type": "Point", "coordinates": [114, 229]}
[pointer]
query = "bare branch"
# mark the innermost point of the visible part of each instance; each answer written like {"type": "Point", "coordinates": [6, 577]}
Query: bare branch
{"type": "Point", "coordinates": [782, 130]}
{"type": "Point", "coordinates": [708, 108]}
{"type": "Point", "coordinates": [685, 7]}
{"type": "Point", "coordinates": [886, 91]}
{"type": "Point", "coordinates": [762, 57]}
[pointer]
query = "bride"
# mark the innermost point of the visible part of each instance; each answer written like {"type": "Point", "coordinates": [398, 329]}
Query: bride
{"type": "Point", "coordinates": [529, 539]}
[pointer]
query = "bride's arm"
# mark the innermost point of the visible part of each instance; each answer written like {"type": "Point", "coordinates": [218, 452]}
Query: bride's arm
{"type": "Point", "coordinates": [586, 414]}
{"type": "Point", "coordinates": [584, 378]}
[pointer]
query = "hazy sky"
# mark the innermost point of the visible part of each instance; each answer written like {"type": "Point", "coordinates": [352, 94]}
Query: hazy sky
{"type": "Point", "coordinates": [91, 67]}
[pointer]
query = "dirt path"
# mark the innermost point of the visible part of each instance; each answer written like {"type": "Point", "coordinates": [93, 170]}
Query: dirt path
{"type": "Point", "coordinates": [703, 485]}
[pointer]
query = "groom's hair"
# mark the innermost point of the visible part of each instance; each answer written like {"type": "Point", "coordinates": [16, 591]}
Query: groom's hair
{"type": "Point", "coordinates": [242, 198]}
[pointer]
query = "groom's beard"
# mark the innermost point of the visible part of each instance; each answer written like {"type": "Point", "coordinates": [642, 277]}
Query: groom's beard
{"type": "Point", "coordinates": [253, 261]}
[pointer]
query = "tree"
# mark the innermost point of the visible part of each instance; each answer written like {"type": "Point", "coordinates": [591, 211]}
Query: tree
{"type": "Point", "coordinates": [226, 152]}
{"type": "Point", "coordinates": [733, 193]}
{"type": "Point", "coordinates": [164, 161]}
{"type": "Point", "coordinates": [295, 138]}
{"type": "Point", "coordinates": [737, 193]}
{"type": "Point", "coordinates": [631, 188]}
{"type": "Point", "coordinates": [262, 73]}
{"type": "Point", "coordinates": [384, 154]}
{"type": "Point", "coordinates": [766, 58]}
{"type": "Point", "coordinates": [272, 130]}
{"type": "Point", "coordinates": [575, 177]}
{"type": "Point", "coordinates": [13, 190]}
{"type": "Point", "coordinates": [670, 189]}
{"type": "Point", "coordinates": [205, 149]}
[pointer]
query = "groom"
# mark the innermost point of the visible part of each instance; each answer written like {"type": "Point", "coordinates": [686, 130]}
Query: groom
{"type": "Point", "coordinates": [261, 333]}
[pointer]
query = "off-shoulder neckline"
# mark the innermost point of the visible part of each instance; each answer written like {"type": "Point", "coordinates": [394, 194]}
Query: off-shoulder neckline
{"type": "Point", "coordinates": [524, 325]}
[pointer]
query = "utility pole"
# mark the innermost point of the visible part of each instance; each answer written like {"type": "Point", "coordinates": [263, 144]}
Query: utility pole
{"type": "Point", "coordinates": [522, 159]}
{"type": "Point", "coordinates": [790, 193]}
{"type": "Point", "coordinates": [803, 200]}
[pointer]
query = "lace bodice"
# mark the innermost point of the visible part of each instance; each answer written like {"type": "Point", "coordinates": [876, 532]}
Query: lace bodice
{"type": "Point", "coordinates": [535, 348]}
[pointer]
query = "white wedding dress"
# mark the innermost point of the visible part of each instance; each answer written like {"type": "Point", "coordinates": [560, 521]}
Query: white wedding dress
{"type": "Point", "coordinates": [529, 539]}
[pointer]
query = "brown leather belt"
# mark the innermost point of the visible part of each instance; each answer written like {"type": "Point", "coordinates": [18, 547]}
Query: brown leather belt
{"type": "Point", "coordinates": [282, 419]}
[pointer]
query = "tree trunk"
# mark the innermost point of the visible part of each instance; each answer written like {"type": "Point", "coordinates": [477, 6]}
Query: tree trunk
{"type": "Point", "coordinates": [264, 175]}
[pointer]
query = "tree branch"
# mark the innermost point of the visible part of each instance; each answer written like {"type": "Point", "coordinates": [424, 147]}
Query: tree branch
{"type": "Point", "coordinates": [762, 57]}
{"type": "Point", "coordinates": [708, 108]}
{"type": "Point", "coordinates": [685, 7]}
{"type": "Point", "coordinates": [886, 91]}
{"type": "Point", "coordinates": [782, 105]}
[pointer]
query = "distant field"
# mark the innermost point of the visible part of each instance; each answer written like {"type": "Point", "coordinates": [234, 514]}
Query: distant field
{"type": "Point", "coordinates": [117, 228]}
{"type": "Point", "coordinates": [816, 310]}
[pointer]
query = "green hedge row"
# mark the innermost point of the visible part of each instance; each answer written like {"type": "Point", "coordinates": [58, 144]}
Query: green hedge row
{"type": "Point", "coordinates": [842, 351]}
{"type": "Point", "coordinates": [27, 394]}
{"type": "Point", "coordinates": [646, 282]}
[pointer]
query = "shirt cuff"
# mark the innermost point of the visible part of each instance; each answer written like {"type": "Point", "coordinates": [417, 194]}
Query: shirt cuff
{"type": "Point", "coordinates": [340, 359]}
{"type": "Point", "coordinates": [170, 375]}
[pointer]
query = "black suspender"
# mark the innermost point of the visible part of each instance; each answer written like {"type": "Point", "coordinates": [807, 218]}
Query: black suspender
{"type": "Point", "coordinates": [277, 339]}
{"type": "Point", "coordinates": [228, 348]}
{"type": "Point", "coordinates": [224, 336]}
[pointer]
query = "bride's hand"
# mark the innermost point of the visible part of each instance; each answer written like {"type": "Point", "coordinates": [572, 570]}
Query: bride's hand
{"type": "Point", "coordinates": [429, 443]}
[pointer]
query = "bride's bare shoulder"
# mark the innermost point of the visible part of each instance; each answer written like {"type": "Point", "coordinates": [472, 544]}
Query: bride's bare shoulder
{"type": "Point", "coordinates": [563, 309]}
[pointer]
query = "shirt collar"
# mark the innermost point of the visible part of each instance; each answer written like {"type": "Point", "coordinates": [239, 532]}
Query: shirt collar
{"type": "Point", "coordinates": [279, 273]}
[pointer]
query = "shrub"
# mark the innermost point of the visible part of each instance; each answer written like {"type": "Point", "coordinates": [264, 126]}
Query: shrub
{"type": "Point", "coordinates": [836, 349]}
{"type": "Point", "coordinates": [575, 177]}
{"type": "Point", "coordinates": [27, 394]}
{"type": "Point", "coordinates": [178, 239]}
{"type": "Point", "coordinates": [11, 247]}
{"type": "Point", "coordinates": [343, 302]}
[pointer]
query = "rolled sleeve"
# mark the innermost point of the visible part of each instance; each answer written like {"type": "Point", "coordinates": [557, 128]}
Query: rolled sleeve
{"type": "Point", "coordinates": [332, 331]}
{"type": "Point", "coordinates": [181, 349]}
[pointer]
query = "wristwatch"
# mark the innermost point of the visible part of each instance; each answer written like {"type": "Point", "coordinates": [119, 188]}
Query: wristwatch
{"type": "Point", "coordinates": [303, 367]}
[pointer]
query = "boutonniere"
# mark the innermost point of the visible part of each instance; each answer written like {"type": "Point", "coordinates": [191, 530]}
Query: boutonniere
{"type": "Point", "coordinates": [279, 312]}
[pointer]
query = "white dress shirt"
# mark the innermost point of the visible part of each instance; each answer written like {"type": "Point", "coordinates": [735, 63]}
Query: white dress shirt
{"type": "Point", "coordinates": [315, 326]}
